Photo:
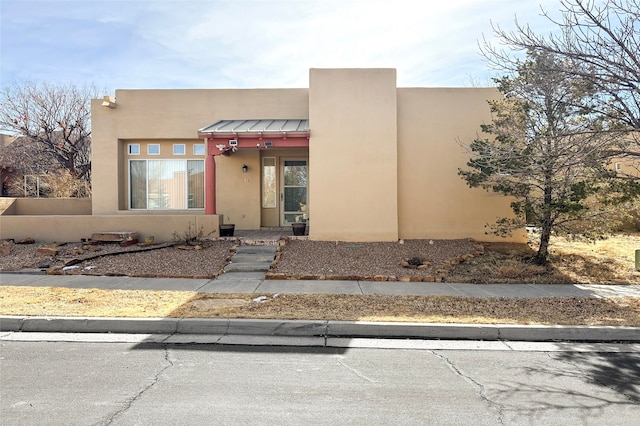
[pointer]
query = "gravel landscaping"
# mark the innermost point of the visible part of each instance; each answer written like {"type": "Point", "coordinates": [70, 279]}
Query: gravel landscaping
{"type": "Point", "coordinates": [297, 259]}
{"type": "Point", "coordinates": [380, 260]}
{"type": "Point", "coordinates": [160, 260]}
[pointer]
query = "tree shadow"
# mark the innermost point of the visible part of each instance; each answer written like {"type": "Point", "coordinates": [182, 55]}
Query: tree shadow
{"type": "Point", "coordinates": [617, 371]}
{"type": "Point", "coordinates": [592, 366]}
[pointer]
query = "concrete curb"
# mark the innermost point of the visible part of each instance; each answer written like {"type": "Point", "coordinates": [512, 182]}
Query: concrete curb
{"type": "Point", "coordinates": [322, 329]}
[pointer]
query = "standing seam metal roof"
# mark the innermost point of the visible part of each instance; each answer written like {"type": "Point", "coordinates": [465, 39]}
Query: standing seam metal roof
{"type": "Point", "coordinates": [278, 126]}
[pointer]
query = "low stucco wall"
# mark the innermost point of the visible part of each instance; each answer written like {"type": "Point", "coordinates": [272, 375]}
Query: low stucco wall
{"type": "Point", "coordinates": [68, 228]}
{"type": "Point", "coordinates": [48, 206]}
{"type": "Point", "coordinates": [7, 206]}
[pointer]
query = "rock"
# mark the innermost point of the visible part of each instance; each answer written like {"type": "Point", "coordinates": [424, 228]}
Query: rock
{"type": "Point", "coordinates": [114, 236]}
{"type": "Point", "coordinates": [275, 276]}
{"type": "Point", "coordinates": [27, 240]}
{"type": "Point", "coordinates": [338, 278]}
{"type": "Point", "coordinates": [5, 248]}
{"type": "Point", "coordinates": [425, 265]}
{"type": "Point", "coordinates": [46, 251]}
{"type": "Point", "coordinates": [308, 277]}
{"type": "Point", "coordinates": [127, 243]}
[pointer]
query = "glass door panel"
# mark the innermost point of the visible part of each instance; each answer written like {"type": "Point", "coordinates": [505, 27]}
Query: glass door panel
{"type": "Point", "coordinates": [294, 191]}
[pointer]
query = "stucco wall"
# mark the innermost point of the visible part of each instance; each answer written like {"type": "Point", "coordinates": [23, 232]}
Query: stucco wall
{"type": "Point", "coordinates": [47, 206]}
{"type": "Point", "coordinates": [7, 205]}
{"type": "Point", "coordinates": [174, 114]}
{"type": "Point", "coordinates": [383, 161]}
{"type": "Point", "coordinates": [73, 228]}
{"type": "Point", "coordinates": [353, 154]}
{"type": "Point", "coordinates": [433, 201]}
{"type": "Point", "coordinates": [238, 193]}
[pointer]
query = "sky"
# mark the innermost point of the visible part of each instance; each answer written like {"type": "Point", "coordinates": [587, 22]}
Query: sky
{"type": "Point", "coordinates": [144, 44]}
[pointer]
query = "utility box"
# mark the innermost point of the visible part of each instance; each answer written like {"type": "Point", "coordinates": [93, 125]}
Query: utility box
{"type": "Point", "coordinates": [638, 259]}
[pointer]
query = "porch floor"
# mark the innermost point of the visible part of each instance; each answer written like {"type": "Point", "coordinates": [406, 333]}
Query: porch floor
{"type": "Point", "coordinates": [265, 234]}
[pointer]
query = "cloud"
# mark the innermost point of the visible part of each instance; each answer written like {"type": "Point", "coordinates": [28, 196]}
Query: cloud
{"type": "Point", "coordinates": [268, 43]}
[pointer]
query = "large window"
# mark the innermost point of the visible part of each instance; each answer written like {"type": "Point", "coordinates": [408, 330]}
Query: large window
{"type": "Point", "coordinates": [166, 184]}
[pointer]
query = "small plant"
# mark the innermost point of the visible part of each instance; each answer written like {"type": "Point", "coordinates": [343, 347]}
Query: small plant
{"type": "Point", "coordinates": [192, 236]}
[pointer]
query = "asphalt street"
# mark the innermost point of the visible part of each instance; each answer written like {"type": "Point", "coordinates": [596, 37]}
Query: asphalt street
{"type": "Point", "coordinates": [144, 383]}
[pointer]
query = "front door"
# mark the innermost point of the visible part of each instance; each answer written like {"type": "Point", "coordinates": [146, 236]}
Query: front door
{"type": "Point", "coordinates": [293, 195]}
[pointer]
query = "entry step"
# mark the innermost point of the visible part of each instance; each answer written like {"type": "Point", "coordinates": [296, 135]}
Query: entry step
{"type": "Point", "coordinates": [243, 249]}
{"type": "Point", "coordinates": [247, 267]}
{"type": "Point", "coordinates": [253, 257]}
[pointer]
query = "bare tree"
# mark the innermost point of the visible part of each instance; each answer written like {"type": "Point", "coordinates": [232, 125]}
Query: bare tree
{"type": "Point", "coordinates": [544, 150]}
{"type": "Point", "coordinates": [56, 117]}
{"type": "Point", "coordinates": [25, 153]}
{"type": "Point", "coordinates": [597, 41]}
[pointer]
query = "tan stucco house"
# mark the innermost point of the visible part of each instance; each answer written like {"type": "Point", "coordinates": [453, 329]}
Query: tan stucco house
{"type": "Point", "coordinates": [352, 155]}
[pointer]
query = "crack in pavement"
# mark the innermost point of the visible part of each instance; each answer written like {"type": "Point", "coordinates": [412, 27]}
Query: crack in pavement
{"type": "Point", "coordinates": [130, 401]}
{"type": "Point", "coordinates": [356, 372]}
{"type": "Point", "coordinates": [479, 387]}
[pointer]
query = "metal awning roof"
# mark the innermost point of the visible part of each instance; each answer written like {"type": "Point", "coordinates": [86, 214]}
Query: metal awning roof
{"type": "Point", "coordinates": [260, 126]}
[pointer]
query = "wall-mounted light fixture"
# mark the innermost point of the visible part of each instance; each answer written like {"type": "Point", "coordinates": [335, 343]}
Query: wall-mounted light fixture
{"type": "Point", "coordinates": [245, 168]}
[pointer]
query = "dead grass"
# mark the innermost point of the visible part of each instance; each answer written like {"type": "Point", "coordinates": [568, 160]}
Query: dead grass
{"type": "Point", "coordinates": [48, 301]}
{"type": "Point", "coordinates": [609, 261]}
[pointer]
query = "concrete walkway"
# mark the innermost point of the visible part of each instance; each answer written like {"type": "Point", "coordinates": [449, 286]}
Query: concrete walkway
{"type": "Point", "coordinates": [309, 333]}
{"type": "Point", "coordinates": [255, 283]}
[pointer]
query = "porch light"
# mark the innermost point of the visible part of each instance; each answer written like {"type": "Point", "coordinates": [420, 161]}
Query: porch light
{"type": "Point", "coordinates": [245, 168]}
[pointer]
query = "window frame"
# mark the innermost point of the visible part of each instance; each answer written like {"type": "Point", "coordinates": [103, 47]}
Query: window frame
{"type": "Point", "coordinates": [187, 193]}
{"type": "Point", "coordinates": [149, 146]}
{"type": "Point", "coordinates": [177, 145]}
{"type": "Point", "coordinates": [199, 145]}
{"type": "Point", "coordinates": [130, 148]}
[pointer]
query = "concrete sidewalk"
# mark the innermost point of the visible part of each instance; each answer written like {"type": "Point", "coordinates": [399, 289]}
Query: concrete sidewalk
{"type": "Point", "coordinates": [312, 333]}
{"type": "Point", "coordinates": [255, 284]}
